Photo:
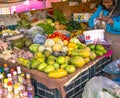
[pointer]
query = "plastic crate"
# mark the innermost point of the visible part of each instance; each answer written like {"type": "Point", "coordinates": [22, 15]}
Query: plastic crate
{"type": "Point", "coordinates": [75, 88]}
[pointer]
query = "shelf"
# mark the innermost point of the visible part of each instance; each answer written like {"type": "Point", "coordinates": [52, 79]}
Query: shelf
{"type": "Point", "coordinates": [8, 4]}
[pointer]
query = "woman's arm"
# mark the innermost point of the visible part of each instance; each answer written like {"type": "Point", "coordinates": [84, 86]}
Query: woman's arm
{"type": "Point", "coordinates": [94, 16]}
{"type": "Point", "coordinates": [115, 24]}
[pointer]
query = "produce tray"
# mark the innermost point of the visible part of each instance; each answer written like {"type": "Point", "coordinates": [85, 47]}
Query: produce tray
{"type": "Point", "coordinates": [70, 86]}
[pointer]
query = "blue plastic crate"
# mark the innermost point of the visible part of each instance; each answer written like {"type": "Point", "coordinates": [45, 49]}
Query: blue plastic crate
{"type": "Point", "coordinates": [75, 87]}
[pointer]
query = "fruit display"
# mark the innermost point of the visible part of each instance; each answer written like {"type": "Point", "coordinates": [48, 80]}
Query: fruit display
{"type": "Point", "coordinates": [52, 59]}
{"type": "Point", "coordinates": [52, 47]}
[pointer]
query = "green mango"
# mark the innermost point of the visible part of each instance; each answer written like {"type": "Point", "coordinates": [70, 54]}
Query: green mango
{"type": "Point", "coordinates": [98, 52]}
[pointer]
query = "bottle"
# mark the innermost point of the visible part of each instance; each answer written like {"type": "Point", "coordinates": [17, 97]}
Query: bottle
{"type": "Point", "coordinates": [10, 90]}
{"type": "Point", "coordinates": [9, 77]}
{"type": "Point", "coordinates": [23, 79]}
{"type": "Point", "coordinates": [16, 91]}
{"type": "Point", "coordinates": [19, 74]}
{"type": "Point", "coordinates": [1, 71]}
{"type": "Point", "coordinates": [1, 78]}
{"type": "Point", "coordinates": [6, 70]}
{"type": "Point", "coordinates": [5, 88]}
{"type": "Point", "coordinates": [30, 88]}
{"type": "Point", "coordinates": [15, 78]}
{"type": "Point", "coordinates": [22, 86]}
{"type": "Point", "coordinates": [1, 89]}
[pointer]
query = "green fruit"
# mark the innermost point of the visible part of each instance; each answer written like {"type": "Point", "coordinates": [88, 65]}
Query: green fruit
{"type": "Point", "coordinates": [28, 42]}
{"type": "Point", "coordinates": [51, 57]}
{"type": "Point", "coordinates": [63, 65]}
{"type": "Point", "coordinates": [104, 51]}
{"type": "Point", "coordinates": [49, 68]}
{"type": "Point", "coordinates": [60, 60]}
{"type": "Point", "coordinates": [18, 44]}
{"type": "Point", "coordinates": [70, 69]}
{"type": "Point", "coordinates": [77, 61]}
{"type": "Point", "coordinates": [98, 52]}
{"type": "Point", "coordinates": [35, 64]}
{"type": "Point", "coordinates": [38, 54]}
{"type": "Point", "coordinates": [34, 47]}
{"type": "Point", "coordinates": [50, 62]}
{"type": "Point", "coordinates": [47, 53]}
{"type": "Point", "coordinates": [81, 46]}
{"type": "Point", "coordinates": [99, 47]}
{"type": "Point", "coordinates": [42, 66]}
{"type": "Point", "coordinates": [56, 65]}
{"type": "Point", "coordinates": [92, 55]}
{"type": "Point", "coordinates": [91, 46]}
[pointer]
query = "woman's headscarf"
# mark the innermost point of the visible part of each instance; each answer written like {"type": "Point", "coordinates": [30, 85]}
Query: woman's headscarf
{"type": "Point", "coordinates": [115, 11]}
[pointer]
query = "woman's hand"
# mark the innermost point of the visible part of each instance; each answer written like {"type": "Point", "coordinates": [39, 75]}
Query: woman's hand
{"type": "Point", "coordinates": [3, 45]}
{"type": "Point", "coordinates": [106, 19]}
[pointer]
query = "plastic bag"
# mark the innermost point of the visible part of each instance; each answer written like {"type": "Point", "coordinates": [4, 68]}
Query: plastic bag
{"type": "Point", "coordinates": [113, 68]}
{"type": "Point", "coordinates": [33, 31]}
{"type": "Point", "coordinates": [97, 84]}
{"type": "Point", "coordinates": [104, 95]}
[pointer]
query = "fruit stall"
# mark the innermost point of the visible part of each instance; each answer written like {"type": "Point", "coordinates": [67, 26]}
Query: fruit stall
{"type": "Point", "coordinates": [57, 53]}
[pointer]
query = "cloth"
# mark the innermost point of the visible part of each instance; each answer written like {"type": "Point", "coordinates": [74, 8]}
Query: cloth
{"type": "Point", "coordinates": [115, 46]}
{"type": "Point", "coordinates": [50, 83]}
{"type": "Point", "coordinates": [113, 29]}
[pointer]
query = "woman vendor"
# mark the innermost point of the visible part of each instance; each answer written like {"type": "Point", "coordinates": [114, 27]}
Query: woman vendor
{"type": "Point", "coordinates": [107, 17]}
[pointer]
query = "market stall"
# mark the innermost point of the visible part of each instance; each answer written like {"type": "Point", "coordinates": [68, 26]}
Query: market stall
{"type": "Point", "coordinates": [60, 54]}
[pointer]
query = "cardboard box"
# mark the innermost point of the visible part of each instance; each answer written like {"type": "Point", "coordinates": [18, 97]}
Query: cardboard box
{"type": "Point", "coordinates": [81, 17]}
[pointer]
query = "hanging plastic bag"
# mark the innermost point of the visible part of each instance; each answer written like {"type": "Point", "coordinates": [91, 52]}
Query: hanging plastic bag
{"type": "Point", "coordinates": [113, 68]}
{"type": "Point", "coordinates": [96, 85]}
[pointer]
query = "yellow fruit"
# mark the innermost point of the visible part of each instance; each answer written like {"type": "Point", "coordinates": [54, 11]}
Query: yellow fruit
{"type": "Point", "coordinates": [57, 73]}
{"type": "Point", "coordinates": [87, 60]}
{"type": "Point", "coordinates": [71, 45]}
{"type": "Point", "coordinates": [65, 42]}
{"type": "Point", "coordinates": [77, 61]}
{"type": "Point", "coordinates": [56, 39]}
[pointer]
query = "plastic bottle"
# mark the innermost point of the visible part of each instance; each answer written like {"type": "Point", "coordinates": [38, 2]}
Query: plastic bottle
{"type": "Point", "coordinates": [9, 77]}
{"type": "Point", "coordinates": [16, 91]}
{"type": "Point", "coordinates": [22, 86]}
{"type": "Point", "coordinates": [5, 88]}
{"type": "Point", "coordinates": [19, 71]}
{"type": "Point", "coordinates": [1, 71]}
{"type": "Point", "coordinates": [10, 90]}
{"type": "Point", "coordinates": [30, 88]}
{"type": "Point", "coordinates": [6, 70]}
{"type": "Point", "coordinates": [1, 89]}
{"type": "Point", "coordinates": [15, 78]}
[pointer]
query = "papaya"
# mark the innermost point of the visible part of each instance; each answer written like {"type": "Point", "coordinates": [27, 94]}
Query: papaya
{"type": "Point", "coordinates": [77, 61]}
{"type": "Point", "coordinates": [57, 73]}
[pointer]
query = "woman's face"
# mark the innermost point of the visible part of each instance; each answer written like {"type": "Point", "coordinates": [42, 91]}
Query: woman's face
{"type": "Point", "coordinates": [108, 3]}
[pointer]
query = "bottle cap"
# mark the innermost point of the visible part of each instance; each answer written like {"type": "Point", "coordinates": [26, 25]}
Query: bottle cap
{"type": "Point", "coordinates": [27, 75]}
{"type": "Point", "coordinates": [9, 83]}
{"type": "Point", "coordinates": [1, 76]}
{"type": "Point", "coordinates": [22, 74]}
{"type": "Point", "coordinates": [5, 80]}
{"type": "Point", "coordinates": [5, 65]}
{"type": "Point", "coordinates": [9, 75]}
{"type": "Point", "coordinates": [16, 86]}
{"type": "Point", "coordinates": [14, 73]}
{"type": "Point", "coordinates": [1, 70]}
